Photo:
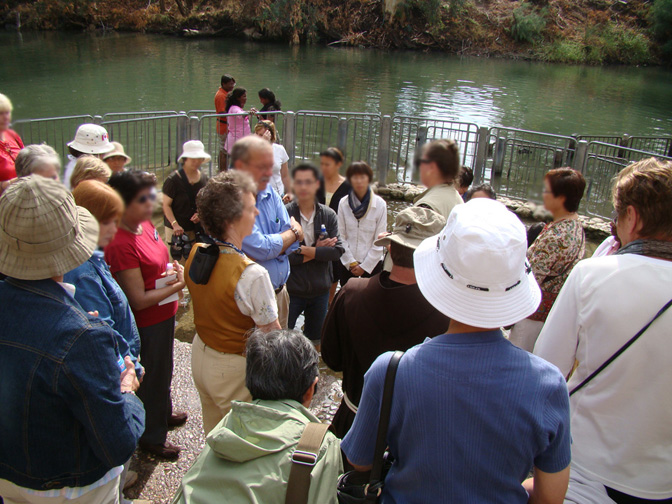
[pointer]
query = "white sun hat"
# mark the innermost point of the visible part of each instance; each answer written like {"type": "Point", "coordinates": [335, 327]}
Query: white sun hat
{"type": "Point", "coordinates": [91, 139]}
{"type": "Point", "coordinates": [475, 271]}
{"type": "Point", "coordinates": [194, 149]}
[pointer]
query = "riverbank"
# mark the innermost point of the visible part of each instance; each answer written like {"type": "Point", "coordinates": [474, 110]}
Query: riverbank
{"type": "Point", "coordinates": [570, 31]}
{"type": "Point", "coordinates": [596, 228]}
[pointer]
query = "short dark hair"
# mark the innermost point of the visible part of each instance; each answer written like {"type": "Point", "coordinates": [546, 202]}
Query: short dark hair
{"type": "Point", "coordinates": [220, 202]}
{"type": "Point", "coordinates": [333, 153]}
{"type": "Point", "coordinates": [359, 168]}
{"type": "Point", "coordinates": [306, 167]}
{"type": "Point", "coordinates": [486, 188]}
{"type": "Point", "coordinates": [446, 154]}
{"type": "Point", "coordinates": [281, 364]}
{"type": "Point", "coordinates": [466, 177]}
{"type": "Point", "coordinates": [129, 183]}
{"type": "Point", "coordinates": [74, 152]}
{"type": "Point", "coordinates": [401, 256]}
{"type": "Point", "coordinates": [569, 183]}
{"type": "Point", "coordinates": [269, 95]}
{"type": "Point", "coordinates": [226, 78]}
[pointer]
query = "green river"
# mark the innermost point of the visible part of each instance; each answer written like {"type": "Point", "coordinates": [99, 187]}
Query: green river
{"type": "Point", "coordinates": [58, 74]}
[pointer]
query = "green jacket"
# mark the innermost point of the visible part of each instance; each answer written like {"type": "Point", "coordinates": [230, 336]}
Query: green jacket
{"type": "Point", "coordinates": [247, 458]}
{"type": "Point", "coordinates": [441, 198]}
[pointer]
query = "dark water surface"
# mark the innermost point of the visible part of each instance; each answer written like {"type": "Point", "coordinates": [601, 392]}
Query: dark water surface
{"type": "Point", "coordinates": [57, 74]}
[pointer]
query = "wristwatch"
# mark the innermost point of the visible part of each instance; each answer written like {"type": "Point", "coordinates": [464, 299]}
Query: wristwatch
{"type": "Point", "coordinates": [298, 251]}
{"type": "Point", "coordinates": [128, 392]}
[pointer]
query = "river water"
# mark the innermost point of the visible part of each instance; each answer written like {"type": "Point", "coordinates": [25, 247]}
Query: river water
{"type": "Point", "coordinates": [57, 74]}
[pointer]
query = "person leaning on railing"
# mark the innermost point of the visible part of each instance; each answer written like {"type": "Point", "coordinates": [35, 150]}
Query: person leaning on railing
{"type": "Point", "coordinates": [237, 297]}
{"type": "Point", "coordinates": [621, 428]}
{"type": "Point", "coordinates": [10, 144]}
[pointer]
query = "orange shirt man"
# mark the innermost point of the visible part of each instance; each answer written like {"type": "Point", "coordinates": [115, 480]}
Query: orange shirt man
{"type": "Point", "coordinates": [228, 84]}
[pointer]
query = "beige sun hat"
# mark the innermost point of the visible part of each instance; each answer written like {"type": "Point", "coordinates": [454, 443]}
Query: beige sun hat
{"type": "Point", "coordinates": [91, 139]}
{"type": "Point", "coordinates": [43, 233]}
{"type": "Point", "coordinates": [476, 271]}
{"type": "Point", "coordinates": [194, 149]}
{"type": "Point", "coordinates": [412, 225]}
{"type": "Point", "coordinates": [118, 151]}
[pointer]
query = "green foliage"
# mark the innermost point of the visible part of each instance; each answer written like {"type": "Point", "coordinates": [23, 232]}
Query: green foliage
{"type": "Point", "coordinates": [564, 51]}
{"type": "Point", "coordinates": [430, 10]}
{"type": "Point", "coordinates": [528, 24]}
{"type": "Point", "coordinates": [292, 18]}
{"type": "Point", "coordinates": [661, 24]}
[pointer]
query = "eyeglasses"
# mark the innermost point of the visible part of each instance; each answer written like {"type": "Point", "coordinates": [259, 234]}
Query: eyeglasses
{"type": "Point", "coordinates": [425, 161]}
{"type": "Point", "coordinates": [145, 197]}
{"type": "Point", "coordinates": [301, 183]}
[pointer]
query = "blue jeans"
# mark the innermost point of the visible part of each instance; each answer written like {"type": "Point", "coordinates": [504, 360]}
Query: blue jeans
{"type": "Point", "coordinates": [315, 311]}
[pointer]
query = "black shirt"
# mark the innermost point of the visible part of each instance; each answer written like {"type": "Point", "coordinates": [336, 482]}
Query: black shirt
{"type": "Point", "coordinates": [183, 209]}
{"type": "Point", "coordinates": [342, 191]}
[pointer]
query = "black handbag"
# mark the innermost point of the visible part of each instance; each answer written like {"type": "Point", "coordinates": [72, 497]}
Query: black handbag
{"type": "Point", "coordinates": [356, 487]}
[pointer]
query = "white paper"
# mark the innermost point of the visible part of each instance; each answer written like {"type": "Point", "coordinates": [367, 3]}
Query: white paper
{"type": "Point", "coordinates": [162, 282]}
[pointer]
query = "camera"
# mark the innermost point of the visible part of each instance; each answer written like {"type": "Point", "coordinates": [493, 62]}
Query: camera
{"type": "Point", "coordinates": [180, 247]}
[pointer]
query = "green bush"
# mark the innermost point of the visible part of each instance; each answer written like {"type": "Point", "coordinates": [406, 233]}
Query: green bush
{"type": "Point", "coordinates": [564, 51]}
{"type": "Point", "coordinates": [528, 24]}
{"type": "Point", "coordinates": [661, 24]}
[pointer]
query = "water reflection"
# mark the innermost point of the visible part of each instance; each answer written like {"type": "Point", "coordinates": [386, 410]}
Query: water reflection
{"type": "Point", "coordinates": [49, 74]}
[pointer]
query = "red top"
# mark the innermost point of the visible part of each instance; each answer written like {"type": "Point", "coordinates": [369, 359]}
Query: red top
{"type": "Point", "coordinates": [220, 107]}
{"type": "Point", "coordinates": [9, 149]}
{"type": "Point", "coordinates": [147, 252]}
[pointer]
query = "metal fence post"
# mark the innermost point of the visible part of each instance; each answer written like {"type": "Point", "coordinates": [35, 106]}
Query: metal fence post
{"type": "Point", "coordinates": [182, 133]}
{"type": "Point", "coordinates": [194, 124]}
{"type": "Point", "coordinates": [625, 142]}
{"type": "Point", "coordinates": [498, 156]}
{"type": "Point", "coordinates": [581, 156]}
{"type": "Point", "coordinates": [289, 136]}
{"type": "Point", "coordinates": [420, 140]}
{"type": "Point", "coordinates": [342, 135]}
{"type": "Point", "coordinates": [384, 146]}
{"type": "Point", "coordinates": [97, 119]}
{"type": "Point", "coordinates": [481, 153]}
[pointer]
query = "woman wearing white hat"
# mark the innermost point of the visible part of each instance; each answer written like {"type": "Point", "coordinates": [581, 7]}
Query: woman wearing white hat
{"type": "Point", "coordinates": [117, 159]}
{"type": "Point", "coordinates": [74, 417]}
{"type": "Point", "coordinates": [89, 139]}
{"type": "Point", "coordinates": [472, 414]}
{"type": "Point", "coordinates": [180, 215]}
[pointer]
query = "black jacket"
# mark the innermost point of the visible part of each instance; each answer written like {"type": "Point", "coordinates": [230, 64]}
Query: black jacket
{"type": "Point", "coordinates": [313, 278]}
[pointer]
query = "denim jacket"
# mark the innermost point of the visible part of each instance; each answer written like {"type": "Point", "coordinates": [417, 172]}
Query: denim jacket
{"type": "Point", "coordinates": [98, 290]}
{"type": "Point", "coordinates": [64, 420]}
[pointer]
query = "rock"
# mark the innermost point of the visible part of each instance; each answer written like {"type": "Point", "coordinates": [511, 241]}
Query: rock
{"type": "Point", "coordinates": [541, 214]}
{"type": "Point", "coordinates": [382, 191]}
{"type": "Point", "coordinates": [396, 194]}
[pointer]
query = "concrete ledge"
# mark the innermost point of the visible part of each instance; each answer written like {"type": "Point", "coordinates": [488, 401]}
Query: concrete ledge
{"type": "Point", "coordinates": [596, 228]}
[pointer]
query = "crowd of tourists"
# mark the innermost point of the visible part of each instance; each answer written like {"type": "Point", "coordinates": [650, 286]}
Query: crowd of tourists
{"type": "Point", "coordinates": [480, 362]}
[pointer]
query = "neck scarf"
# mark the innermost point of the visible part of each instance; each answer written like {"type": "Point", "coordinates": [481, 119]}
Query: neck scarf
{"type": "Point", "coordinates": [650, 248]}
{"type": "Point", "coordinates": [359, 208]}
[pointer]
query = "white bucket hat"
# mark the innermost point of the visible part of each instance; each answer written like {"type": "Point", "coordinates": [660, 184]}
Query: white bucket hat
{"type": "Point", "coordinates": [91, 139]}
{"type": "Point", "coordinates": [43, 233]}
{"type": "Point", "coordinates": [475, 271]}
{"type": "Point", "coordinates": [118, 150]}
{"type": "Point", "coordinates": [194, 149]}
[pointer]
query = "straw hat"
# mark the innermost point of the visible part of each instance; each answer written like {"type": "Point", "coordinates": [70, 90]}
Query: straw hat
{"type": "Point", "coordinates": [43, 233]}
{"type": "Point", "coordinates": [194, 149]}
{"type": "Point", "coordinates": [412, 225]}
{"type": "Point", "coordinates": [91, 139]}
{"type": "Point", "coordinates": [475, 271]}
{"type": "Point", "coordinates": [118, 151]}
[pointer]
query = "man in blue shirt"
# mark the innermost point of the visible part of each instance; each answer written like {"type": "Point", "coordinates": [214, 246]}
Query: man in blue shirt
{"type": "Point", "coordinates": [275, 235]}
{"type": "Point", "coordinates": [472, 414]}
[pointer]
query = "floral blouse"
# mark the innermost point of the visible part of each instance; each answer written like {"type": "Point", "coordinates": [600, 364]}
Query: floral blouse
{"type": "Point", "coordinates": [555, 252]}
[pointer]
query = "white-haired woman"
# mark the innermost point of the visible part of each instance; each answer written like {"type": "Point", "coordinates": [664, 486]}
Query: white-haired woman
{"type": "Point", "coordinates": [10, 144]}
{"type": "Point", "coordinates": [38, 159]}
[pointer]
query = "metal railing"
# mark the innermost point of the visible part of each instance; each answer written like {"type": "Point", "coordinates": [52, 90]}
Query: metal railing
{"type": "Point", "coordinates": [513, 160]}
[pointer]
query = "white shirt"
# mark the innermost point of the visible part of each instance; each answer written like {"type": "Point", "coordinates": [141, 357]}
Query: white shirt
{"type": "Point", "coordinates": [308, 228]}
{"type": "Point", "coordinates": [622, 420]}
{"type": "Point", "coordinates": [255, 296]}
{"type": "Point", "coordinates": [358, 236]}
{"type": "Point", "coordinates": [67, 173]}
{"type": "Point", "coordinates": [280, 157]}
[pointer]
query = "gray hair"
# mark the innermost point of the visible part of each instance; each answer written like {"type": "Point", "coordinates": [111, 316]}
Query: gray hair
{"type": "Point", "coordinates": [242, 150]}
{"type": "Point", "coordinates": [280, 365]}
{"type": "Point", "coordinates": [32, 158]}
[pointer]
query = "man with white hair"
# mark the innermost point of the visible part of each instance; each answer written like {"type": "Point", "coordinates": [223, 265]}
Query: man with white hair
{"type": "Point", "coordinates": [275, 234]}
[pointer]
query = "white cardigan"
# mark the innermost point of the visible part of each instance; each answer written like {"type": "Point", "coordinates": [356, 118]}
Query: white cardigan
{"type": "Point", "coordinates": [358, 235]}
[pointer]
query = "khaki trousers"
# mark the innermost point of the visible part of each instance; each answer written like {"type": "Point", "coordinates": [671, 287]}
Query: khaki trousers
{"type": "Point", "coordinates": [282, 298]}
{"type": "Point", "coordinates": [106, 494]}
{"type": "Point", "coordinates": [219, 379]}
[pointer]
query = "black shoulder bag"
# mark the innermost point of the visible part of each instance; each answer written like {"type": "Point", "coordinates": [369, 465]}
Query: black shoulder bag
{"type": "Point", "coordinates": [356, 487]}
{"type": "Point", "coordinates": [620, 350]}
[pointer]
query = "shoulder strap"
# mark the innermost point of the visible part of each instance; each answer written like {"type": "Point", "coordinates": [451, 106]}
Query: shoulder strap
{"type": "Point", "coordinates": [620, 350]}
{"type": "Point", "coordinates": [304, 459]}
{"type": "Point", "coordinates": [375, 486]}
